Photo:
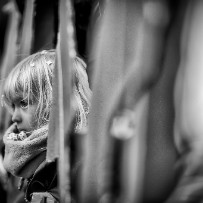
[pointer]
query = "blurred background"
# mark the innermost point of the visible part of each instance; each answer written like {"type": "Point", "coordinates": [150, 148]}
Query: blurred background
{"type": "Point", "coordinates": [144, 62]}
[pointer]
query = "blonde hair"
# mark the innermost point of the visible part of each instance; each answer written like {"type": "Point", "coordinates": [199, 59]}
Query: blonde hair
{"type": "Point", "coordinates": [31, 80]}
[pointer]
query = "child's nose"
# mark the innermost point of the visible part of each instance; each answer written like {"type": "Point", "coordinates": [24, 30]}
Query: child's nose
{"type": "Point", "coordinates": [16, 117]}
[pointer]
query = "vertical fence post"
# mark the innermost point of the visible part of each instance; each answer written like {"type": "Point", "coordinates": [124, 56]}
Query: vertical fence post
{"type": "Point", "coordinates": [27, 30]}
{"type": "Point", "coordinates": [62, 114]}
{"type": "Point", "coordinates": [113, 52]}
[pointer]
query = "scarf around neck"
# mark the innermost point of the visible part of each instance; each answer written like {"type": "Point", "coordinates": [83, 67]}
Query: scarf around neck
{"type": "Point", "coordinates": [22, 157]}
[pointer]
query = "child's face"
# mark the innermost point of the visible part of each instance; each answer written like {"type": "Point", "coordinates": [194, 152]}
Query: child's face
{"type": "Point", "coordinates": [24, 116]}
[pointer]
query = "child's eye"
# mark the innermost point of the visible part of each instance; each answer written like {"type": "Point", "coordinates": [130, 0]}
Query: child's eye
{"type": "Point", "coordinates": [12, 106]}
{"type": "Point", "coordinates": [23, 104]}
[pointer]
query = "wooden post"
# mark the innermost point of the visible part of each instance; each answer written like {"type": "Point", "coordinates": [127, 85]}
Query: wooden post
{"type": "Point", "coordinates": [62, 113]}
{"type": "Point", "coordinates": [27, 30]}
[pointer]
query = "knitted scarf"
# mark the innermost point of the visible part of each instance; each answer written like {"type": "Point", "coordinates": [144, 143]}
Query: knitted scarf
{"type": "Point", "coordinates": [22, 157]}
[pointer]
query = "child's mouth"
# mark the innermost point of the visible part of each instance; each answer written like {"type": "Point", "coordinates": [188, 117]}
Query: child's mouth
{"type": "Point", "coordinates": [19, 130]}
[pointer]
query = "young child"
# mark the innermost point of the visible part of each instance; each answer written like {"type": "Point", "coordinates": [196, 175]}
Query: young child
{"type": "Point", "coordinates": [27, 95]}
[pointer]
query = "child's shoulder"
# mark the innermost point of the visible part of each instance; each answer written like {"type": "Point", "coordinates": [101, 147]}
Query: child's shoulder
{"type": "Point", "coordinates": [43, 183]}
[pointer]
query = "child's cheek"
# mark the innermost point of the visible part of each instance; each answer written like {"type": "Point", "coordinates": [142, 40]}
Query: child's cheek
{"type": "Point", "coordinates": [33, 117]}
{"type": "Point", "coordinates": [34, 121]}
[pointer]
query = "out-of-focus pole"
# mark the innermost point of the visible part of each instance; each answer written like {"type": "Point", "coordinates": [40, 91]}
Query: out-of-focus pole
{"type": "Point", "coordinates": [62, 114]}
{"type": "Point", "coordinates": [27, 30]}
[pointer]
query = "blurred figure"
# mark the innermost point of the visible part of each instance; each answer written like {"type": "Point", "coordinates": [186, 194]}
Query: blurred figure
{"type": "Point", "coordinates": [188, 128]}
